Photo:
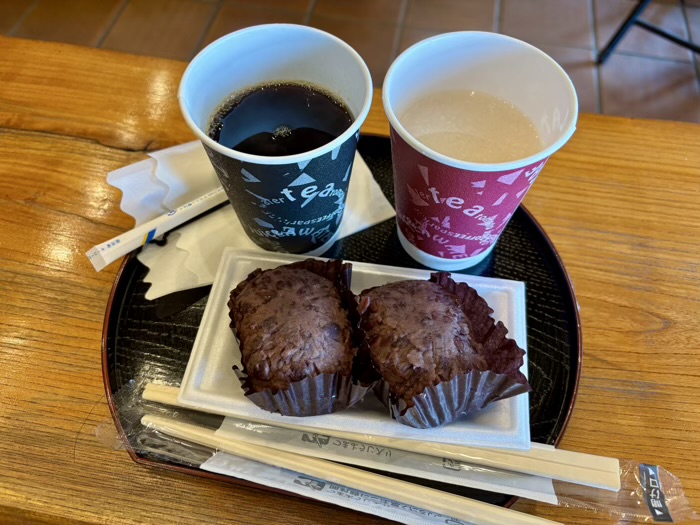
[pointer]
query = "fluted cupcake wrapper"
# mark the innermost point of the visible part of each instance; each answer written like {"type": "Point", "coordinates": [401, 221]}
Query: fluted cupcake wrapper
{"type": "Point", "coordinates": [323, 393]}
{"type": "Point", "coordinates": [312, 396]}
{"type": "Point", "coordinates": [445, 402]}
{"type": "Point", "coordinates": [469, 392]}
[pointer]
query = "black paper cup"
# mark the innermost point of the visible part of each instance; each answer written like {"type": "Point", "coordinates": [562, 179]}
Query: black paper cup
{"type": "Point", "coordinates": [290, 203]}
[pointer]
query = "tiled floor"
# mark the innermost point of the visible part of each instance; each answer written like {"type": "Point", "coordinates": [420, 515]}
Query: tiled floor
{"type": "Point", "coordinates": [645, 77]}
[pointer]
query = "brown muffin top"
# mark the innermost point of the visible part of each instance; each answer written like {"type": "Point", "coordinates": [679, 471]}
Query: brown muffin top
{"type": "Point", "coordinates": [291, 325]}
{"type": "Point", "coordinates": [418, 336]}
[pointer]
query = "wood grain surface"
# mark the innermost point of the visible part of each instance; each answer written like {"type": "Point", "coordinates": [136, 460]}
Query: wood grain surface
{"type": "Point", "coordinates": [621, 203]}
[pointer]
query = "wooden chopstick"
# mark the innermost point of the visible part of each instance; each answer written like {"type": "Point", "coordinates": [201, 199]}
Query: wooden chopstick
{"type": "Point", "coordinates": [573, 467]}
{"type": "Point", "coordinates": [473, 511]}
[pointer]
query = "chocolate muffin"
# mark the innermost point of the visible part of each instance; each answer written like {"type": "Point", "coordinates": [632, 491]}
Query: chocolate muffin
{"type": "Point", "coordinates": [301, 348]}
{"type": "Point", "coordinates": [291, 325]}
{"type": "Point", "coordinates": [438, 350]}
{"type": "Point", "coordinates": [418, 336]}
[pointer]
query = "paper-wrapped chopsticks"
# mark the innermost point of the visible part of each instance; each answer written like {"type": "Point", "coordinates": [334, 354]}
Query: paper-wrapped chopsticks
{"type": "Point", "coordinates": [562, 465]}
{"type": "Point", "coordinates": [458, 507]}
{"type": "Point", "coordinates": [109, 251]}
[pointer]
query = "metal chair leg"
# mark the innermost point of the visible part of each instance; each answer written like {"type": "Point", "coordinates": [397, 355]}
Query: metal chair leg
{"type": "Point", "coordinates": [631, 20]}
{"type": "Point", "coordinates": [668, 36]}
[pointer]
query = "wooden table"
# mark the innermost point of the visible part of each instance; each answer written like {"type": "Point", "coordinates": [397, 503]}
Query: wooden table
{"type": "Point", "coordinates": [621, 203]}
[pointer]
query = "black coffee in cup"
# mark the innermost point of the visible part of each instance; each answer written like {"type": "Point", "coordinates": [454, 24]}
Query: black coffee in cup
{"type": "Point", "coordinates": [278, 109]}
{"type": "Point", "coordinates": [279, 119]}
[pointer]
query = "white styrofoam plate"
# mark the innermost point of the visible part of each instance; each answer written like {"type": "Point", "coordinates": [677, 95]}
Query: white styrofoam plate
{"type": "Point", "coordinates": [210, 384]}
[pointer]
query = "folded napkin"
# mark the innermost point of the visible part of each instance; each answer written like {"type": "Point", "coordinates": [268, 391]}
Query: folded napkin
{"type": "Point", "coordinates": [175, 176]}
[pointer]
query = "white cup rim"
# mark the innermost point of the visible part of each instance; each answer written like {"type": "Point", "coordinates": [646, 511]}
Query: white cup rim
{"type": "Point", "coordinates": [286, 159]}
{"type": "Point", "coordinates": [476, 166]}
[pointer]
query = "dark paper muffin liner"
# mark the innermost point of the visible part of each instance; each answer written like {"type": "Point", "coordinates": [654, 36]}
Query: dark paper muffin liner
{"type": "Point", "coordinates": [311, 396]}
{"type": "Point", "coordinates": [323, 393]}
{"type": "Point", "coordinates": [445, 401]}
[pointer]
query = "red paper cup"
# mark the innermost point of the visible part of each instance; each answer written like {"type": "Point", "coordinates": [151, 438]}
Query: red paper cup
{"type": "Point", "coordinates": [449, 212]}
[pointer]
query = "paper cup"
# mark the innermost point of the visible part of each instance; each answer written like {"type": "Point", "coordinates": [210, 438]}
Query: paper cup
{"type": "Point", "coordinates": [290, 203]}
{"type": "Point", "coordinates": [450, 213]}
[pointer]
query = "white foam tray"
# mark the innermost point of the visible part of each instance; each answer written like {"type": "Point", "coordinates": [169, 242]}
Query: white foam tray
{"type": "Point", "coordinates": [210, 384]}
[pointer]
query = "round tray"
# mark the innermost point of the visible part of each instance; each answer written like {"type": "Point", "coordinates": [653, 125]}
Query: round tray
{"type": "Point", "coordinates": [153, 339]}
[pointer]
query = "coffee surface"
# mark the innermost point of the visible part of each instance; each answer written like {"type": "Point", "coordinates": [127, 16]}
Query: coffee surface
{"type": "Point", "coordinates": [279, 119]}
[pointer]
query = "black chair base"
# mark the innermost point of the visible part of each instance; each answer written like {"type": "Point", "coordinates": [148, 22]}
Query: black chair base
{"type": "Point", "coordinates": [632, 20]}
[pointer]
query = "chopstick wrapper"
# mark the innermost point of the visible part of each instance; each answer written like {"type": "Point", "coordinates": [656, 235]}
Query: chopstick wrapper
{"type": "Point", "coordinates": [321, 490]}
{"type": "Point", "coordinates": [175, 176]}
{"type": "Point", "coordinates": [389, 459]}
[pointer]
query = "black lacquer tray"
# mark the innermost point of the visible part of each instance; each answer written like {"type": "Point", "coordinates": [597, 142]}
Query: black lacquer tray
{"type": "Point", "coordinates": [153, 339]}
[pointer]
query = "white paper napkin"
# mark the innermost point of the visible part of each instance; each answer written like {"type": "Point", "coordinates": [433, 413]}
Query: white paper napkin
{"type": "Point", "coordinates": [175, 176]}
